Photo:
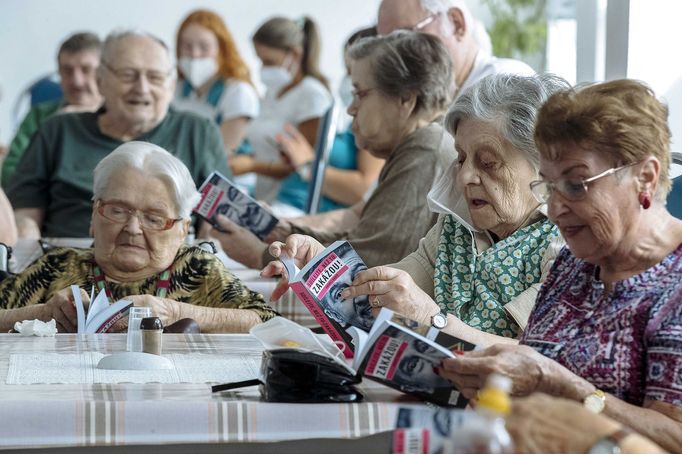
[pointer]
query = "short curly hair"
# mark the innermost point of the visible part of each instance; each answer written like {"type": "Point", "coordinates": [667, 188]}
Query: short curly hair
{"type": "Point", "coordinates": [621, 118]}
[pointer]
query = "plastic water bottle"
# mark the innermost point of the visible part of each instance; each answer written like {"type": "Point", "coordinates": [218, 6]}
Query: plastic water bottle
{"type": "Point", "coordinates": [484, 431]}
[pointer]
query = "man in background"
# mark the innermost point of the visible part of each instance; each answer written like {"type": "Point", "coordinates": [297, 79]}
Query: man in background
{"type": "Point", "coordinates": [52, 188]}
{"type": "Point", "coordinates": [453, 23]}
{"type": "Point", "coordinates": [77, 60]}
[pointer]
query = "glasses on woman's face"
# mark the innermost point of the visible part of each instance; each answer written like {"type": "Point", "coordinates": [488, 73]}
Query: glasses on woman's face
{"type": "Point", "coordinates": [121, 214]}
{"type": "Point", "coordinates": [573, 189]}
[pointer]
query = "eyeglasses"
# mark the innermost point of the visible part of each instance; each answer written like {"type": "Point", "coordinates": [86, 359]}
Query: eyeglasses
{"type": "Point", "coordinates": [422, 23]}
{"type": "Point", "coordinates": [121, 214]}
{"type": "Point", "coordinates": [571, 188]}
{"type": "Point", "coordinates": [131, 75]}
{"type": "Point", "coordinates": [360, 94]}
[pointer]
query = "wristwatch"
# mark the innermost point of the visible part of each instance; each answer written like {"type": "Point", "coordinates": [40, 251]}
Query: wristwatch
{"type": "Point", "coordinates": [609, 444]}
{"type": "Point", "coordinates": [305, 171]}
{"type": "Point", "coordinates": [439, 320]}
{"type": "Point", "coordinates": [596, 401]}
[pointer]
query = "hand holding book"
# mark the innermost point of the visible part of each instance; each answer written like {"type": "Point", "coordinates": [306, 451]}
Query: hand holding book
{"type": "Point", "coordinates": [300, 248]}
{"type": "Point", "coordinates": [394, 289]}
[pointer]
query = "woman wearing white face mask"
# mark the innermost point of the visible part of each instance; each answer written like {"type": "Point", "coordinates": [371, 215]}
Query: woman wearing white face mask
{"type": "Point", "coordinates": [213, 80]}
{"type": "Point", "coordinates": [297, 93]}
{"type": "Point", "coordinates": [350, 171]}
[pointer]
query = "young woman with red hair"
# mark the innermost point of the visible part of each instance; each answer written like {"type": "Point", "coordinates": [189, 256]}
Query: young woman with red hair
{"type": "Point", "coordinates": [213, 80]}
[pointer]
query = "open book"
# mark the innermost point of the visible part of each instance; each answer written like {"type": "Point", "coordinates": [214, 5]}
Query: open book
{"type": "Point", "coordinates": [101, 315]}
{"type": "Point", "coordinates": [319, 285]}
{"type": "Point", "coordinates": [397, 352]}
{"type": "Point", "coordinates": [402, 354]}
{"type": "Point", "coordinates": [220, 196]}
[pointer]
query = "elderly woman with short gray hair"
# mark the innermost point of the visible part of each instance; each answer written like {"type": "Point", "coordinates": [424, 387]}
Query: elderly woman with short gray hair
{"type": "Point", "coordinates": [402, 84]}
{"type": "Point", "coordinates": [476, 273]}
{"type": "Point", "coordinates": [143, 197]}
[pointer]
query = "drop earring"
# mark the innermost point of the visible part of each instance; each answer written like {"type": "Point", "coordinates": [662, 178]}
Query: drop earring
{"type": "Point", "coordinates": [644, 200]}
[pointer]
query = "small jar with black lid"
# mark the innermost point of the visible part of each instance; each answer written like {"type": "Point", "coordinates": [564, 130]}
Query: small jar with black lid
{"type": "Point", "coordinates": [151, 329]}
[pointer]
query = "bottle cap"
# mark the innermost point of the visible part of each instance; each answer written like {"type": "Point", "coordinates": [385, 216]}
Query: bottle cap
{"type": "Point", "coordinates": [495, 395]}
{"type": "Point", "coordinates": [151, 323]}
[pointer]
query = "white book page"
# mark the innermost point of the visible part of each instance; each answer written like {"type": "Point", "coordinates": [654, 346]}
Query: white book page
{"type": "Point", "coordinates": [80, 310]}
{"type": "Point", "coordinates": [100, 304]}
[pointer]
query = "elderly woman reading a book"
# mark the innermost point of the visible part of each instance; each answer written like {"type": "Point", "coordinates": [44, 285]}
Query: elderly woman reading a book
{"type": "Point", "coordinates": [402, 84]}
{"type": "Point", "coordinates": [476, 273]}
{"type": "Point", "coordinates": [142, 201]}
{"type": "Point", "coordinates": [606, 328]}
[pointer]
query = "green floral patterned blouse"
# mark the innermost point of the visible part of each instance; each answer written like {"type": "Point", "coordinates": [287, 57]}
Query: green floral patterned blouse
{"type": "Point", "coordinates": [475, 286]}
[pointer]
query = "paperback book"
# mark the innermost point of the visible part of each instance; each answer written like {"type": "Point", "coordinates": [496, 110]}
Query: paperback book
{"type": "Point", "coordinates": [403, 355]}
{"type": "Point", "coordinates": [100, 316]}
{"type": "Point", "coordinates": [220, 196]}
{"type": "Point", "coordinates": [319, 285]}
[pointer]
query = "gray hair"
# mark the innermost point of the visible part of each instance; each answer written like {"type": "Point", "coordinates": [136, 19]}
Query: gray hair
{"type": "Point", "coordinates": [509, 101]}
{"type": "Point", "coordinates": [114, 37]}
{"type": "Point", "coordinates": [154, 162]}
{"type": "Point", "coordinates": [405, 62]}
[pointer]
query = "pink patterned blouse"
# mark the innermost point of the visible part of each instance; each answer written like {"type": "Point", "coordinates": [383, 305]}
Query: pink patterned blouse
{"type": "Point", "coordinates": [628, 342]}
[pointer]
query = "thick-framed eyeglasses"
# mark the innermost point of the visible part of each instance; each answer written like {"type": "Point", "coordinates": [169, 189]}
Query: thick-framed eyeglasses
{"type": "Point", "coordinates": [573, 189]}
{"type": "Point", "coordinates": [132, 75]}
{"type": "Point", "coordinates": [121, 214]}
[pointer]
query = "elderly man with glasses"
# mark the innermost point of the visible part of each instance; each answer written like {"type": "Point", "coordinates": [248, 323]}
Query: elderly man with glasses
{"type": "Point", "coordinates": [462, 34]}
{"type": "Point", "coordinates": [52, 189]}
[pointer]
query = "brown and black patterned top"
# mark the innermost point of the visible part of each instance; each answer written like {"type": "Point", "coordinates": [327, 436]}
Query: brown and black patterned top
{"type": "Point", "coordinates": [198, 278]}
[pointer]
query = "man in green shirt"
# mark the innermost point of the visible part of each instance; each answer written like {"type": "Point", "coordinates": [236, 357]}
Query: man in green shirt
{"type": "Point", "coordinates": [52, 188]}
{"type": "Point", "coordinates": [77, 60]}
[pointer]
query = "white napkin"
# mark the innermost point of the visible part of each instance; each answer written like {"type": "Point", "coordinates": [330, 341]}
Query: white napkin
{"type": "Point", "coordinates": [36, 328]}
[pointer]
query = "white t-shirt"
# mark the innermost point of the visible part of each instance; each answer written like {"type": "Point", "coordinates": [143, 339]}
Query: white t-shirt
{"type": "Point", "coordinates": [307, 100]}
{"type": "Point", "coordinates": [238, 99]}
{"type": "Point", "coordinates": [486, 64]}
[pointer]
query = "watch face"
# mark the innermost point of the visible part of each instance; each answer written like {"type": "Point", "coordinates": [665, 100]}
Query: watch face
{"type": "Point", "coordinates": [594, 403]}
{"type": "Point", "coordinates": [439, 320]}
{"type": "Point", "coordinates": [604, 446]}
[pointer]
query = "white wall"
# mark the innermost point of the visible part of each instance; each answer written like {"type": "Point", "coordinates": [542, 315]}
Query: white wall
{"type": "Point", "coordinates": [31, 30]}
{"type": "Point", "coordinates": [653, 55]}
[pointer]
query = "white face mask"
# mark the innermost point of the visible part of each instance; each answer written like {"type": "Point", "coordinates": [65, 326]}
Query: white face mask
{"type": "Point", "coordinates": [444, 198]}
{"type": "Point", "coordinates": [346, 91]}
{"type": "Point", "coordinates": [197, 71]}
{"type": "Point", "coordinates": [276, 77]}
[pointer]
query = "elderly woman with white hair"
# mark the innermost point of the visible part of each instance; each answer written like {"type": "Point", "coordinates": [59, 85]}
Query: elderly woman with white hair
{"type": "Point", "coordinates": [478, 270]}
{"type": "Point", "coordinates": [143, 197]}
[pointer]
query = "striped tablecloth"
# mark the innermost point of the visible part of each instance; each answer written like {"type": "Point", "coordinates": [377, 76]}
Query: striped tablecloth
{"type": "Point", "coordinates": [126, 414]}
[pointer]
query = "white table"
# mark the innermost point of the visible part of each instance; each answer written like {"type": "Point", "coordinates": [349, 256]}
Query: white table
{"type": "Point", "coordinates": [89, 415]}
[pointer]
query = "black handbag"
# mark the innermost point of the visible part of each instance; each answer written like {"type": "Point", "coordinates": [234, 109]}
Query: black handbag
{"type": "Point", "coordinates": [299, 376]}
{"type": "Point", "coordinates": [291, 375]}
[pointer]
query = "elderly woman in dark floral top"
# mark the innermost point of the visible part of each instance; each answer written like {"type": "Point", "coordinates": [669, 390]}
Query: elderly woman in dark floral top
{"type": "Point", "coordinates": [143, 197]}
{"type": "Point", "coordinates": [607, 325]}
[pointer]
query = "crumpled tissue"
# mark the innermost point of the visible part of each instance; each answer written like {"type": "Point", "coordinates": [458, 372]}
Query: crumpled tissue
{"type": "Point", "coordinates": [36, 328]}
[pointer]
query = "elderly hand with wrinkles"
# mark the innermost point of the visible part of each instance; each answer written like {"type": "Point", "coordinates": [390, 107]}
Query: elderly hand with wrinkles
{"type": "Point", "coordinates": [394, 289]}
{"type": "Point", "coordinates": [529, 370]}
{"type": "Point", "coordinates": [301, 248]}
{"type": "Point", "coordinates": [62, 308]}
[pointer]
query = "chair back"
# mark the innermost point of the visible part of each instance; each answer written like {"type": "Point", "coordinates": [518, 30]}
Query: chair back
{"type": "Point", "coordinates": [325, 140]}
{"type": "Point", "coordinates": [674, 201]}
{"type": "Point", "coordinates": [45, 88]}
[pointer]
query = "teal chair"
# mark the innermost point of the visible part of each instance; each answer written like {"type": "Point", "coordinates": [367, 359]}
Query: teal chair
{"type": "Point", "coordinates": [674, 202]}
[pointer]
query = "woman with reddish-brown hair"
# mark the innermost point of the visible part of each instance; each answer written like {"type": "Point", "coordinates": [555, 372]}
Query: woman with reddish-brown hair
{"type": "Point", "coordinates": [214, 81]}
